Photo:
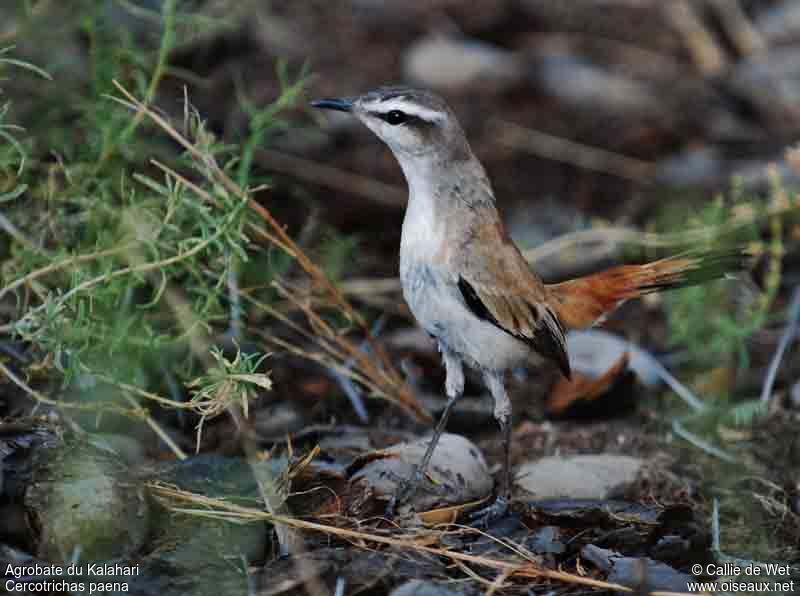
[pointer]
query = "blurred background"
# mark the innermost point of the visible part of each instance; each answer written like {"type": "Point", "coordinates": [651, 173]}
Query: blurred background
{"type": "Point", "coordinates": [627, 106]}
{"type": "Point", "coordinates": [135, 269]}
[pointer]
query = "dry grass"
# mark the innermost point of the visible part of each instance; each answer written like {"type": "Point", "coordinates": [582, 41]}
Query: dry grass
{"type": "Point", "coordinates": [520, 564]}
{"type": "Point", "coordinates": [374, 371]}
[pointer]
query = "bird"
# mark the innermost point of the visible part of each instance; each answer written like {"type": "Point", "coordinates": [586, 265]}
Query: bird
{"type": "Point", "coordinates": [467, 283]}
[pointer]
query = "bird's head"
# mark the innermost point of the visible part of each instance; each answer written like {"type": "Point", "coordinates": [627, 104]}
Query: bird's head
{"type": "Point", "coordinates": [414, 123]}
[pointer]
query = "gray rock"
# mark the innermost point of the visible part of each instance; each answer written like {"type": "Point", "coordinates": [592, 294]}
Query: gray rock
{"type": "Point", "coordinates": [794, 395]}
{"type": "Point", "coordinates": [773, 87]}
{"type": "Point", "coordinates": [458, 472]}
{"type": "Point", "coordinates": [193, 540]}
{"type": "Point", "coordinates": [693, 167]}
{"type": "Point", "coordinates": [203, 556]}
{"type": "Point", "coordinates": [594, 351]}
{"type": "Point", "coordinates": [85, 500]}
{"type": "Point", "coordinates": [641, 574]}
{"type": "Point", "coordinates": [275, 421]}
{"type": "Point", "coordinates": [577, 476]}
{"type": "Point", "coordinates": [780, 23]}
{"type": "Point", "coordinates": [547, 540]}
{"type": "Point", "coordinates": [416, 587]}
{"type": "Point", "coordinates": [459, 64]}
{"type": "Point", "coordinates": [588, 87]}
{"type": "Point", "coordinates": [129, 449]}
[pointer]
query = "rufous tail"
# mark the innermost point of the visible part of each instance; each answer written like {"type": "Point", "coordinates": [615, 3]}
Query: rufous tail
{"type": "Point", "coordinates": [586, 301]}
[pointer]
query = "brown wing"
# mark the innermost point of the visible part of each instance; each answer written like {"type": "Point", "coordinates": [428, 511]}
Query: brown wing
{"type": "Point", "coordinates": [498, 286]}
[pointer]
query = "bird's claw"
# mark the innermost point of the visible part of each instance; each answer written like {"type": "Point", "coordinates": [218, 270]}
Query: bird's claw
{"type": "Point", "coordinates": [406, 489]}
{"type": "Point", "coordinates": [483, 517]}
{"type": "Point", "coordinates": [390, 508]}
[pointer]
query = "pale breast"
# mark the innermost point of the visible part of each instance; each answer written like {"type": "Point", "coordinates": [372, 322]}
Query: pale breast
{"type": "Point", "coordinates": [424, 234]}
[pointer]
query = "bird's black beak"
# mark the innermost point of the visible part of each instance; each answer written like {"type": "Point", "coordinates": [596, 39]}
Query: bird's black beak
{"type": "Point", "coordinates": [342, 105]}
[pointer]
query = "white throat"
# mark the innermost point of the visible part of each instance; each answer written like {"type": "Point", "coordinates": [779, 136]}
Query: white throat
{"type": "Point", "coordinates": [423, 226]}
{"type": "Point", "coordinates": [420, 175]}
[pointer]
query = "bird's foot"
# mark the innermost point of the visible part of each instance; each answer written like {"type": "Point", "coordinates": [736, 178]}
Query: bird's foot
{"type": "Point", "coordinates": [483, 517]}
{"type": "Point", "coordinates": [405, 490]}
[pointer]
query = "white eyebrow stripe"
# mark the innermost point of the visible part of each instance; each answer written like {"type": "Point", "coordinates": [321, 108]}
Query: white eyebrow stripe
{"type": "Point", "coordinates": [409, 107]}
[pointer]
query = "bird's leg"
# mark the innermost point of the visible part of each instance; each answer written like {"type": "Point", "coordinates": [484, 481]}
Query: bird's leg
{"type": "Point", "coordinates": [502, 413]}
{"type": "Point", "coordinates": [454, 387]}
{"type": "Point", "coordinates": [505, 478]}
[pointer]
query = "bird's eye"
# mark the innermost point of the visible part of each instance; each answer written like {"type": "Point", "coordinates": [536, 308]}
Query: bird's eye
{"type": "Point", "coordinates": [395, 117]}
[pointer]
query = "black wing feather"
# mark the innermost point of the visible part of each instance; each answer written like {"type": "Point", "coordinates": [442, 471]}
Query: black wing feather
{"type": "Point", "coordinates": [548, 339]}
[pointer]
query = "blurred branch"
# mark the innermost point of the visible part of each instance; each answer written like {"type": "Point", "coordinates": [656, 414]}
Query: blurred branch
{"type": "Point", "coordinates": [789, 333]}
{"type": "Point", "coordinates": [739, 27]}
{"type": "Point", "coordinates": [706, 54]}
{"type": "Point", "coordinates": [306, 170]}
{"type": "Point", "coordinates": [9, 228]}
{"type": "Point", "coordinates": [572, 152]}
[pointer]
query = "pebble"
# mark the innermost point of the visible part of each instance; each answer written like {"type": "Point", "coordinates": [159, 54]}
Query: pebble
{"type": "Point", "coordinates": [453, 65]}
{"type": "Point", "coordinates": [577, 476]}
{"type": "Point", "coordinates": [457, 471]}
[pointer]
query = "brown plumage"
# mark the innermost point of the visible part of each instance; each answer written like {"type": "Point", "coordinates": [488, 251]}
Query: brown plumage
{"type": "Point", "coordinates": [463, 278]}
{"type": "Point", "coordinates": [587, 301]}
{"type": "Point", "coordinates": [519, 305]}
{"type": "Point", "coordinates": [499, 286]}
